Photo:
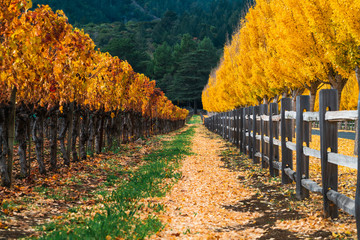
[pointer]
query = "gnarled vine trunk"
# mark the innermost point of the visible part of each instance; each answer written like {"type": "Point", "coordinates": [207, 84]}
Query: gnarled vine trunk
{"type": "Point", "coordinates": [64, 125]}
{"type": "Point", "coordinates": [99, 133]}
{"type": "Point", "coordinates": [84, 134]}
{"type": "Point", "coordinates": [92, 132]}
{"type": "Point", "coordinates": [53, 131]}
{"type": "Point", "coordinates": [5, 177]}
{"type": "Point", "coordinates": [38, 137]}
{"type": "Point", "coordinates": [75, 133]}
{"type": "Point", "coordinates": [21, 137]}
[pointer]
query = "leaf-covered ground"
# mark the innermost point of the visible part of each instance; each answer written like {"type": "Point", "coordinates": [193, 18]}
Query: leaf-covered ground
{"type": "Point", "coordinates": [222, 195]}
{"type": "Point", "coordinates": [211, 192]}
{"type": "Point", "coordinates": [72, 192]}
{"type": "Point", "coordinates": [98, 198]}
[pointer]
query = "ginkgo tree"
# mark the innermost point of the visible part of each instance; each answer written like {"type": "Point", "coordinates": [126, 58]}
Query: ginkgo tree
{"type": "Point", "coordinates": [285, 47]}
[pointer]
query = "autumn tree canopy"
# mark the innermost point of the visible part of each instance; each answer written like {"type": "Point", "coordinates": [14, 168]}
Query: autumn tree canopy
{"type": "Point", "coordinates": [285, 48]}
{"type": "Point", "coordinates": [51, 63]}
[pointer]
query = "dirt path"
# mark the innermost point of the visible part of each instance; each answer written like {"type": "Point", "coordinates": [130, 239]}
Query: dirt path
{"type": "Point", "coordinates": [195, 206]}
{"type": "Point", "coordinates": [223, 196]}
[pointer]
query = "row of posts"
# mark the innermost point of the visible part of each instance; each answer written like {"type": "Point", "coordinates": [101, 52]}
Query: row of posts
{"type": "Point", "coordinates": [241, 126]}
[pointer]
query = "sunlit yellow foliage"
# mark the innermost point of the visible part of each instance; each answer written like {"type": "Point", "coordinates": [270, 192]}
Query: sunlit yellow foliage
{"type": "Point", "coordinates": [285, 45]}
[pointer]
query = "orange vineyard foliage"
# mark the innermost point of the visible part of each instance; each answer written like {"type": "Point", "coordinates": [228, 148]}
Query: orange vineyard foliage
{"type": "Point", "coordinates": [51, 64]}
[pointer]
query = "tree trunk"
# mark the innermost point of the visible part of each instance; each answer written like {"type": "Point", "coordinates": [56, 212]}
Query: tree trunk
{"type": "Point", "coordinates": [70, 116]}
{"type": "Point", "coordinates": [313, 90]}
{"type": "Point", "coordinates": [38, 137]}
{"type": "Point", "coordinates": [276, 99]}
{"type": "Point", "coordinates": [75, 133]}
{"type": "Point", "coordinates": [125, 137]}
{"type": "Point", "coordinates": [99, 134]}
{"type": "Point", "coordinates": [53, 140]}
{"type": "Point", "coordinates": [21, 138]}
{"type": "Point", "coordinates": [294, 94]}
{"type": "Point", "coordinates": [108, 131]}
{"type": "Point", "coordinates": [337, 82]}
{"type": "Point", "coordinates": [5, 178]}
{"type": "Point", "coordinates": [84, 135]}
{"type": "Point", "coordinates": [28, 163]}
{"type": "Point", "coordinates": [314, 87]}
{"type": "Point", "coordinates": [131, 125]}
{"type": "Point", "coordinates": [195, 107]}
{"type": "Point", "coordinates": [92, 132]}
{"type": "Point", "coordinates": [64, 124]}
{"type": "Point", "coordinates": [265, 100]}
{"type": "Point", "coordinates": [11, 134]}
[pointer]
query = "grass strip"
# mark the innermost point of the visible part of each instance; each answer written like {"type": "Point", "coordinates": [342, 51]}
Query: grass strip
{"type": "Point", "coordinates": [196, 119]}
{"type": "Point", "coordinates": [122, 214]}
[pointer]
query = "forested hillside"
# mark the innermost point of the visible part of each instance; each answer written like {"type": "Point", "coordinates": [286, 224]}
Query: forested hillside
{"type": "Point", "coordinates": [100, 11]}
{"type": "Point", "coordinates": [176, 43]}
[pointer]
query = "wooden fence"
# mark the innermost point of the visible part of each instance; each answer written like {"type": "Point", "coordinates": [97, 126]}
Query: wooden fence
{"type": "Point", "coordinates": [255, 130]}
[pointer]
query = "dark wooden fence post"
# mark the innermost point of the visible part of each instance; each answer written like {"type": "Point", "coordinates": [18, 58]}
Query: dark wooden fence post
{"type": "Point", "coordinates": [231, 122]}
{"type": "Point", "coordinates": [256, 111]}
{"type": "Point", "coordinates": [263, 111]}
{"type": "Point", "coordinates": [220, 125]}
{"type": "Point", "coordinates": [272, 133]}
{"type": "Point", "coordinates": [302, 133]}
{"type": "Point", "coordinates": [286, 135]}
{"type": "Point", "coordinates": [357, 196]}
{"type": "Point", "coordinates": [328, 139]}
{"type": "Point", "coordinates": [244, 131]}
{"type": "Point", "coordinates": [237, 127]}
{"type": "Point", "coordinates": [228, 125]}
{"type": "Point", "coordinates": [223, 125]}
{"type": "Point", "coordinates": [241, 127]}
{"type": "Point", "coordinates": [215, 122]}
{"type": "Point", "coordinates": [232, 126]}
{"type": "Point", "coordinates": [249, 121]}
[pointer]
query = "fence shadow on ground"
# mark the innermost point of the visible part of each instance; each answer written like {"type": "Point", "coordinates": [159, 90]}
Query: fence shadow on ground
{"type": "Point", "coordinates": [278, 209]}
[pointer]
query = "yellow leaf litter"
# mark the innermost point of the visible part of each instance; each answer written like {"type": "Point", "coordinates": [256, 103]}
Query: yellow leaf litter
{"type": "Point", "coordinates": [194, 206]}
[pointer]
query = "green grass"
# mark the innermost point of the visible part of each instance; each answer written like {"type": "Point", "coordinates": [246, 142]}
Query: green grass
{"type": "Point", "coordinates": [121, 217]}
{"type": "Point", "coordinates": [196, 119]}
{"type": "Point", "coordinates": [51, 193]}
